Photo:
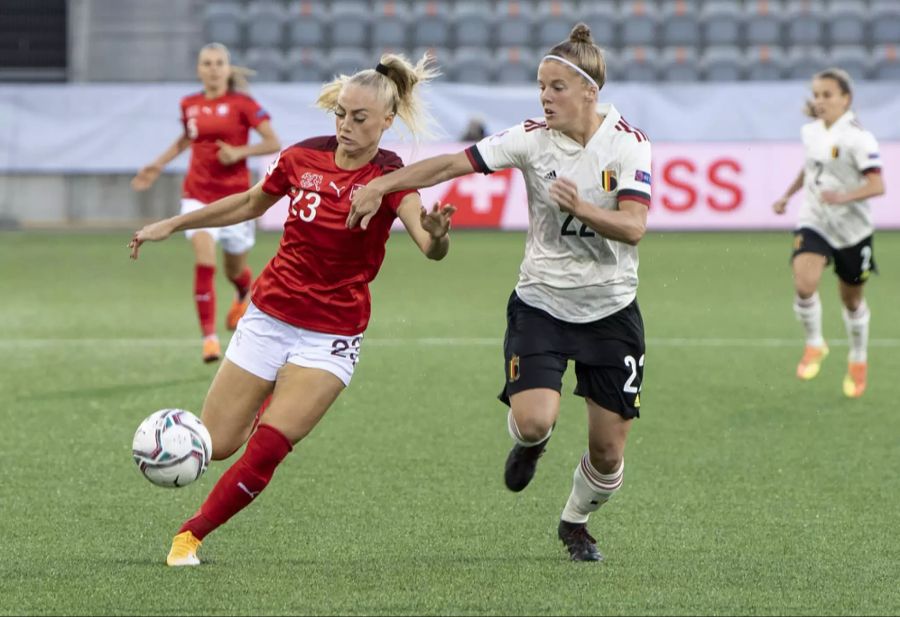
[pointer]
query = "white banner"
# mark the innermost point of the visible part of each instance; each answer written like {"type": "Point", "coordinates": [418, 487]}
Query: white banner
{"type": "Point", "coordinates": [715, 186]}
{"type": "Point", "coordinates": [118, 128]}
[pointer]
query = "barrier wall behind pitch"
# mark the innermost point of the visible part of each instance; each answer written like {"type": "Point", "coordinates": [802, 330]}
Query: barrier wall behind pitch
{"type": "Point", "coordinates": [720, 186]}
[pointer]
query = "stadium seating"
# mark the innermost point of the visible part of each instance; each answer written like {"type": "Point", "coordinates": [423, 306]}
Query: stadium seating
{"type": "Point", "coordinates": [269, 63]}
{"type": "Point", "coordinates": [679, 24]}
{"type": "Point", "coordinates": [514, 23]}
{"type": "Point", "coordinates": [762, 22]}
{"type": "Point", "coordinates": [885, 20]}
{"type": "Point", "coordinates": [804, 61]}
{"type": "Point", "coordinates": [853, 59]}
{"type": "Point", "coordinates": [516, 65]}
{"type": "Point", "coordinates": [639, 64]}
{"type": "Point", "coordinates": [886, 62]}
{"type": "Point", "coordinates": [846, 21]}
{"type": "Point", "coordinates": [306, 25]}
{"type": "Point", "coordinates": [554, 23]}
{"type": "Point", "coordinates": [722, 63]}
{"type": "Point", "coordinates": [764, 63]}
{"type": "Point", "coordinates": [350, 23]}
{"type": "Point", "coordinates": [473, 23]}
{"type": "Point", "coordinates": [265, 24]}
{"type": "Point", "coordinates": [679, 63]}
{"type": "Point", "coordinates": [471, 65]}
{"type": "Point", "coordinates": [805, 22]}
{"type": "Point", "coordinates": [390, 23]}
{"type": "Point", "coordinates": [431, 24]}
{"type": "Point", "coordinates": [602, 17]}
{"type": "Point", "coordinates": [638, 21]}
{"type": "Point", "coordinates": [671, 40]}
{"type": "Point", "coordinates": [225, 24]}
{"type": "Point", "coordinates": [349, 60]}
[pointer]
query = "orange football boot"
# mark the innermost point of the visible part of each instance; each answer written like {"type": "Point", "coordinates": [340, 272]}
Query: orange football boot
{"type": "Point", "coordinates": [811, 362]}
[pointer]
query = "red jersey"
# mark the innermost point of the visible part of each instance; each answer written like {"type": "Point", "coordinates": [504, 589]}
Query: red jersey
{"type": "Point", "coordinates": [229, 118]}
{"type": "Point", "coordinates": [319, 278]}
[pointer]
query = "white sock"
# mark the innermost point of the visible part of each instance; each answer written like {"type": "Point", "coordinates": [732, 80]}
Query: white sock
{"type": "Point", "coordinates": [809, 313]}
{"type": "Point", "coordinates": [517, 436]}
{"type": "Point", "coordinates": [857, 323]}
{"type": "Point", "coordinates": [590, 490]}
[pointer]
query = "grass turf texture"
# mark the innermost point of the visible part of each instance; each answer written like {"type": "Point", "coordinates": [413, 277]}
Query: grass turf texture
{"type": "Point", "coordinates": [746, 492]}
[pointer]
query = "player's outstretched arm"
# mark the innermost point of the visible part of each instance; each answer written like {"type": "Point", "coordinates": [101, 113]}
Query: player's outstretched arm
{"type": "Point", "coordinates": [429, 230]}
{"type": "Point", "coordinates": [426, 172]}
{"type": "Point", "coordinates": [148, 174]}
{"type": "Point", "coordinates": [229, 210]}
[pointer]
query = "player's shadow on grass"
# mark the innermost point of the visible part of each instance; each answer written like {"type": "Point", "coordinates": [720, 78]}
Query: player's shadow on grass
{"type": "Point", "coordinates": [109, 391]}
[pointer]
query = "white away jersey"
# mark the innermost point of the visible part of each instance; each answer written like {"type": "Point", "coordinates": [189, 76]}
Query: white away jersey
{"type": "Point", "coordinates": [837, 159]}
{"type": "Point", "coordinates": [569, 270]}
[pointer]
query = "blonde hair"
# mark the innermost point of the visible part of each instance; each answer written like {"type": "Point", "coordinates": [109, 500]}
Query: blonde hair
{"type": "Point", "coordinates": [238, 78]}
{"type": "Point", "coordinates": [397, 86]}
{"type": "Point", "coordinates": [843, 80]}
{"type": "Point", "coordinates": [583, 52]}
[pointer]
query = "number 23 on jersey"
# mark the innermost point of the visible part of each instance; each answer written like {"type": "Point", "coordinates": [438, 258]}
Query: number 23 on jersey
{"type": "Point", "coordinates": [304, 204]}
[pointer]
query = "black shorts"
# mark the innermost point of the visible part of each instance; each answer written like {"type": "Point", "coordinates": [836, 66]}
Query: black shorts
{"type": "Point", "coordinates": [608, 355]}
{"type": "Point", "coordinates": [853, 265]}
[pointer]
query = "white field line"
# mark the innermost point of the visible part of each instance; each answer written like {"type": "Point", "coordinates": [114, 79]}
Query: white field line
{"type": "Point", "coordinates": [29, 343]}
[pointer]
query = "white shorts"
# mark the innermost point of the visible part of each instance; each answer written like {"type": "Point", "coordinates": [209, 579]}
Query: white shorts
{"type": "Point", "coordinates": [262, 345]}
{"type": "Point", "coordinates": [235, 239]}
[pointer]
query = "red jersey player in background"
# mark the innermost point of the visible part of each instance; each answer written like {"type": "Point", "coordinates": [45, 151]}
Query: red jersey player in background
{"type": "Point", "coordinates": [217, 123]}
{"type": "Point", "coordinates": [301, 336]}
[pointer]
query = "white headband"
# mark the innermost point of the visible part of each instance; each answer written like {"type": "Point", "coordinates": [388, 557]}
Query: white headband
{"type": "Point", "coordinates": [574, 66]}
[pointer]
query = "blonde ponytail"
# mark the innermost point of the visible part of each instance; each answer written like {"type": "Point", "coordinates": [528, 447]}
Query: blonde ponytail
{"type": "Point", "coordinates": [397, 82]}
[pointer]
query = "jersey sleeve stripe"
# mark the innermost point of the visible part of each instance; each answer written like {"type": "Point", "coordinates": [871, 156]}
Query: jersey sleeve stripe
{"type": "Point", "coordinates": [632, 195]}
{"type": "Point", "coordinates": [477, 161]}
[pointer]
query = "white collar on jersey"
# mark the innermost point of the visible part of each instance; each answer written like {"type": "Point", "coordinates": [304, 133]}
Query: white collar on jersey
{"type": "Point", "coordinates": [847, 117]}
{"type": "Point", "coordinates": [611, 117]}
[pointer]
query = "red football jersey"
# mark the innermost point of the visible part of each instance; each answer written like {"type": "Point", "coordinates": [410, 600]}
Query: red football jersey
{"type": "Point", "coordinates": [319, 278]}
{"type": "Point", "coordinates": [229, 118]}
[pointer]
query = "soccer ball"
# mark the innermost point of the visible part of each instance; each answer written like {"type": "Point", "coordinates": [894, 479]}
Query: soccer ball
{"type": "Point", "coordinates": [172, 448]}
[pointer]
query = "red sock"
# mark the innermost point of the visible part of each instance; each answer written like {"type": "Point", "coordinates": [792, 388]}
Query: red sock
{"type": "Point", "coordinates": [205, 297]}
{"type": "Point", "coordinates": [242, 282]}
{"type": "Point", "coordinates": [242, 482]}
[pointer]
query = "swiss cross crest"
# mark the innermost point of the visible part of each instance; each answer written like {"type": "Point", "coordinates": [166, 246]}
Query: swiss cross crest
{"type": "Point", "coordinates": [311, 181]}
{"type": "Point", "coordinates": [355, 188]}
{"type": "Point", "coordinates": [222, 109]}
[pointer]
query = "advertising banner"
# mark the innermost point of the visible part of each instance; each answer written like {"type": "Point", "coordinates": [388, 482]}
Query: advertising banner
{"type": "Point", "coordinates": [711, 186]}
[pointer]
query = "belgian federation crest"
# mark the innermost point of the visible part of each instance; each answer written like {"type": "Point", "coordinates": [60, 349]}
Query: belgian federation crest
{"type": "Point", "coordinates": [608, 180]}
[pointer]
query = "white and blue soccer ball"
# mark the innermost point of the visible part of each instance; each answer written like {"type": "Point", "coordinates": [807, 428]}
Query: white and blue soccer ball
{"type": "Point", "coordinates": [172, 448]}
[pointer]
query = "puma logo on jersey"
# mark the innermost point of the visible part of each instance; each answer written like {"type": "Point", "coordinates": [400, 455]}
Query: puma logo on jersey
{"type": "Point", "coordinates": [336, 189]}
{"type": "Point", "coordinates": [550, 175]}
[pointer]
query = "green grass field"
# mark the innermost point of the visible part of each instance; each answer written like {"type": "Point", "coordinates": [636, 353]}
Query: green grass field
{"type": "Point", "coordinates": [746, 492]}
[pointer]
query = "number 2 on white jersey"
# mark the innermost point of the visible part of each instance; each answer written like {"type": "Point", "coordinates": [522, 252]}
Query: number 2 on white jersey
{"type": "Point", "coordinates": [313, 201]}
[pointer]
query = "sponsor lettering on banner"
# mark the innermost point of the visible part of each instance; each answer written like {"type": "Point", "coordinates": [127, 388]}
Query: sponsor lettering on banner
{"type": "Point", "coordinates": [709, 186]}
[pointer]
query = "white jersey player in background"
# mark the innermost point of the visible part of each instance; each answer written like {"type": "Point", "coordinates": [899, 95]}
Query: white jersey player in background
{"type": "Point", "coordinates": [842, 170]}
{"type": "Point", "coordinates": [587, 173]}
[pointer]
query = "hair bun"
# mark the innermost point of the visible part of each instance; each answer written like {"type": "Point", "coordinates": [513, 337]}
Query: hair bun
{"type": "Point", "coordinates": [581, 33]}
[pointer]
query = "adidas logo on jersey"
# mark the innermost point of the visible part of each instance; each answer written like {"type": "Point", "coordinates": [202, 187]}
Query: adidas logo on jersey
{"type": "Point", "coordinates": [550, 175]}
